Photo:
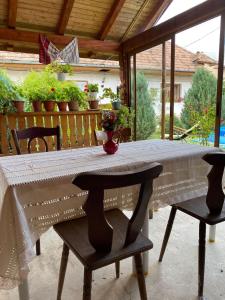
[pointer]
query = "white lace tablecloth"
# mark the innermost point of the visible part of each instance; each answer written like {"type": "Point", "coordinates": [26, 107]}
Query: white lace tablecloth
{"type": "Point", "coordinates": [36, 191]}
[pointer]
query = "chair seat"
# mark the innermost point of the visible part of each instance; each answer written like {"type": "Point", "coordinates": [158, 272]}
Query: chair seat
{"type": "Point", "coordinates": [75, 234]}
{"type": "Point", "coordinates": [198, 209]}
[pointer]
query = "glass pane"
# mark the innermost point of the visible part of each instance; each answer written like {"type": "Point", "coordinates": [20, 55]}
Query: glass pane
{"type": "Point", "coordinates": [196, 83]}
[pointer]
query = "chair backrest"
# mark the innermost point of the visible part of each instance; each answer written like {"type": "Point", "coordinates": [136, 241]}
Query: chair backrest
{"type": "Point", "coordinates": [215, 195]}
{"type": "Point", "coordinates": [99, 230]}
{"type": "Point", "coordinates": [122, 135]}
{"type": "Point", "coordinates": [33, 133]}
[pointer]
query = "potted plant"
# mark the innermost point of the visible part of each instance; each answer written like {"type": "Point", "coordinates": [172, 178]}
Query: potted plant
{"type": "Point", "coordinates": [19, 99]}
{"type": "Point", "coordinates": [92, 95]}
{"type": "Point", "coordinates": [114, 98]}
{"type": "Point", "coordinates": [50, 99]}
{"type": "Point", "coordinates": [61, 97]}
{"type": "Point", "coordinates": [76, 98]}
{"type": "Point", "coordinates": [7, 93]}
{"type": "Point", "coordinates": [60, 69]}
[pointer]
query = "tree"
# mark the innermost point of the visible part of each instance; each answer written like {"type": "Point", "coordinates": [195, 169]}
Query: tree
{"type": "Point", "coordinates": [146, 120]}
{"type": "Point", "coordinates": [201, 96]}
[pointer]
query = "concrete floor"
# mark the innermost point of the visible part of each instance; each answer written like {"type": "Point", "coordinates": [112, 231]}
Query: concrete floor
{"type": "Point", "coordinates": [175, 278]}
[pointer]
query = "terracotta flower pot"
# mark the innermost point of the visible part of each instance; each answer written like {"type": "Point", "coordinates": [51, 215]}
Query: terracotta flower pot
{"type": "Point", "coordinates": [62, 106]}
{"type": "Point", "coordinates": [49, 105]}
{"type": "Point", "coordinates": [19, 105]}
{"type": "Point", "coordinates": [93, 104]}
{"type": "Point", "coordinates": [37, 105]}
{"type": "Point", "coordinates": [73, 105]}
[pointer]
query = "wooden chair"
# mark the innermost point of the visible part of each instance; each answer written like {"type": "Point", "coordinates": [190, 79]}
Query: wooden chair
{"type": "Point", "coordinates": [103, 238]}
{"type": "Point", "coordinates": [209, 209]}
{"type": "Point", "coordinates": [30, 134]}
{"type": "Point", "coordinates": [123, 135]}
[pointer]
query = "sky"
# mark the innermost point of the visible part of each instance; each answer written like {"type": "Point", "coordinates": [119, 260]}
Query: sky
{"type": "Point", "coordinates": [204, 37]}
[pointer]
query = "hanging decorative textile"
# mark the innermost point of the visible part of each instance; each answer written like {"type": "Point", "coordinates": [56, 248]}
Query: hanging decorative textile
{"type": "Point", "coordinates": [48, 51]}
{"type": "Point", "coordinates": [70, 53]}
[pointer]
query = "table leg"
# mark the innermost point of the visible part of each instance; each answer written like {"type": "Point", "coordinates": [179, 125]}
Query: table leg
{"type": "Point", "coordinates": [145, 256]}
{"type": "Point", "coordinates": [212, 233]}
{"type": "Point", "coordinates": [23, 289]}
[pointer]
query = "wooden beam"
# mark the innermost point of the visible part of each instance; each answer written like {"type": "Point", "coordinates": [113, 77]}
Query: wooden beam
{"type": "Point", "coordinates": [110, 19]}
{"type": "Point", "coordinates": [132, 24]}
{"type": "Point", "coordinates": [220, 82]}
{"type": "Point", "coordinates": [65, 15]}
{"type": "Point", "coordinates": [59, 40]}
{"type": "Point", "coordinates": [12, 5]}
{"type": "Point", "coordinates": [156, 35]}
{"type": "Point", "coordinates": [156, 13]}
{"type": "Point", "coordinates": [172, 80]}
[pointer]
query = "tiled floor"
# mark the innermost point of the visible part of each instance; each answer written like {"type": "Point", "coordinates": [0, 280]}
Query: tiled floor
{"type": "Point", "coordinates": [175, 278]}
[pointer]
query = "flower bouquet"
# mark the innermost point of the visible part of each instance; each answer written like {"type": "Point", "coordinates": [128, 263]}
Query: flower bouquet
{"type": "Point", "coordinates": [109, 124]}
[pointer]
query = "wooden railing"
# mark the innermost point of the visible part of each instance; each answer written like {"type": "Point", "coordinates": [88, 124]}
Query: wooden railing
{"type": "Point", "coordinates": [77, 128]}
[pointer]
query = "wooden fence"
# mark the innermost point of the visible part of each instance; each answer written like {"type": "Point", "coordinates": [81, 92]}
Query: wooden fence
{"type": "Point", "coordinates": [77, 128]}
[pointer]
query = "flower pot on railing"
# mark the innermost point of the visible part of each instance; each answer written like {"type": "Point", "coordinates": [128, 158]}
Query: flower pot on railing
{"type": "Point", "coordinates": [62, 106]}
{"type": "Point", "coordinates": [37, 105]}
{"type": "Point", "coordinates": [19, 105]}
{"type": "Point", "coordinates": [116, 105]}
{"type": "Point", "coordinates": [49, 105]}
{"type": "Point", "coordinates": [93, 95]}
{"type": "Point", "coordinates": [61, 76]}
{"type": "Point", "coordinates": [93, 104]}
{"type": "Point", "coordinates": [73, 105]}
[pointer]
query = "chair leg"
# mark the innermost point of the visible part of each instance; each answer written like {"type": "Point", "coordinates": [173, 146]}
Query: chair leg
{"type": "Point", "coordinates": [62, 272]}
{"type": "Point", "coordinates": [38, 247]}
{"type": "Point", "coordinates": [168, 231]}
{"type": "Point", "coordinates": [201, 258]}
{"type": "Point", "coordinates": [87, 284]}
{"type": "Point", "coordinates": [117, 265]}
{"type": "Point", "coordinates": [140, 276]}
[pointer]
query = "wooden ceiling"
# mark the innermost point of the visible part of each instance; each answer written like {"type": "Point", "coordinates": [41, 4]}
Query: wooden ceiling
{"type": "Point", "coordinates": [100, 25]}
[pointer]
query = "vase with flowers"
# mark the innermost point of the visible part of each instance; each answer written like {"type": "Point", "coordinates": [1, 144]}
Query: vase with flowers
{"type": "Point", "coordinates": [109, 123]}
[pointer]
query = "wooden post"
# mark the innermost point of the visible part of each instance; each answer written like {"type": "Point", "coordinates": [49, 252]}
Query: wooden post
{"type": "Point", "coordinates": [124, 77]}
{"type": "Point", "coordinates": [135, 96]}
{"type": "Point", "coordinates": [219, 82]}
{"type": "Point", "coordinates": [163, 91]}
{"type": "Point", "coordinates": [172, 69]}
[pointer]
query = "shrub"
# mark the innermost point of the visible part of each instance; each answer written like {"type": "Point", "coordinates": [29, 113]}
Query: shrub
{"type": "Point", "coordinates": [146, 119]}
{"type": "Point", "coordinates": [200, 96]}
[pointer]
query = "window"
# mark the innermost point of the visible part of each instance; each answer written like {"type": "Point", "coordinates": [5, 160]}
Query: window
{"type": "Point", "coordinates": [177, 92]}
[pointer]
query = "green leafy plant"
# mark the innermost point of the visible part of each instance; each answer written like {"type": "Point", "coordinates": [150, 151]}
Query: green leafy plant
{"type": "Point", "coordinates": [72, 92]}
{"type": "Point", "coordinates": [125, 117]}
{"type": "Point", "coordinates": [202, 94]}
{"type": "Point", "coordinates": [56, 67]}
{"type": "Point", "coordinates": [108, 93]}
{"type": "Point", "coordinates": [7, 93]}
{"type": "Point", "coordinates": [40, 86]}
{"type": "Point", "coordinates": [205, 121]}
{"type": "Point", "coordinates": [145, 115]}
{"type": "Point", "coordinates": [93, 88]}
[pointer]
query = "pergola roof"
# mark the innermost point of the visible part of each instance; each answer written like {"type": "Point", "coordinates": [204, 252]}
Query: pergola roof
{"type": "Point", "coordinates": [99, 20]}
{"type": "Point", "coordinates": [150, 59]}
